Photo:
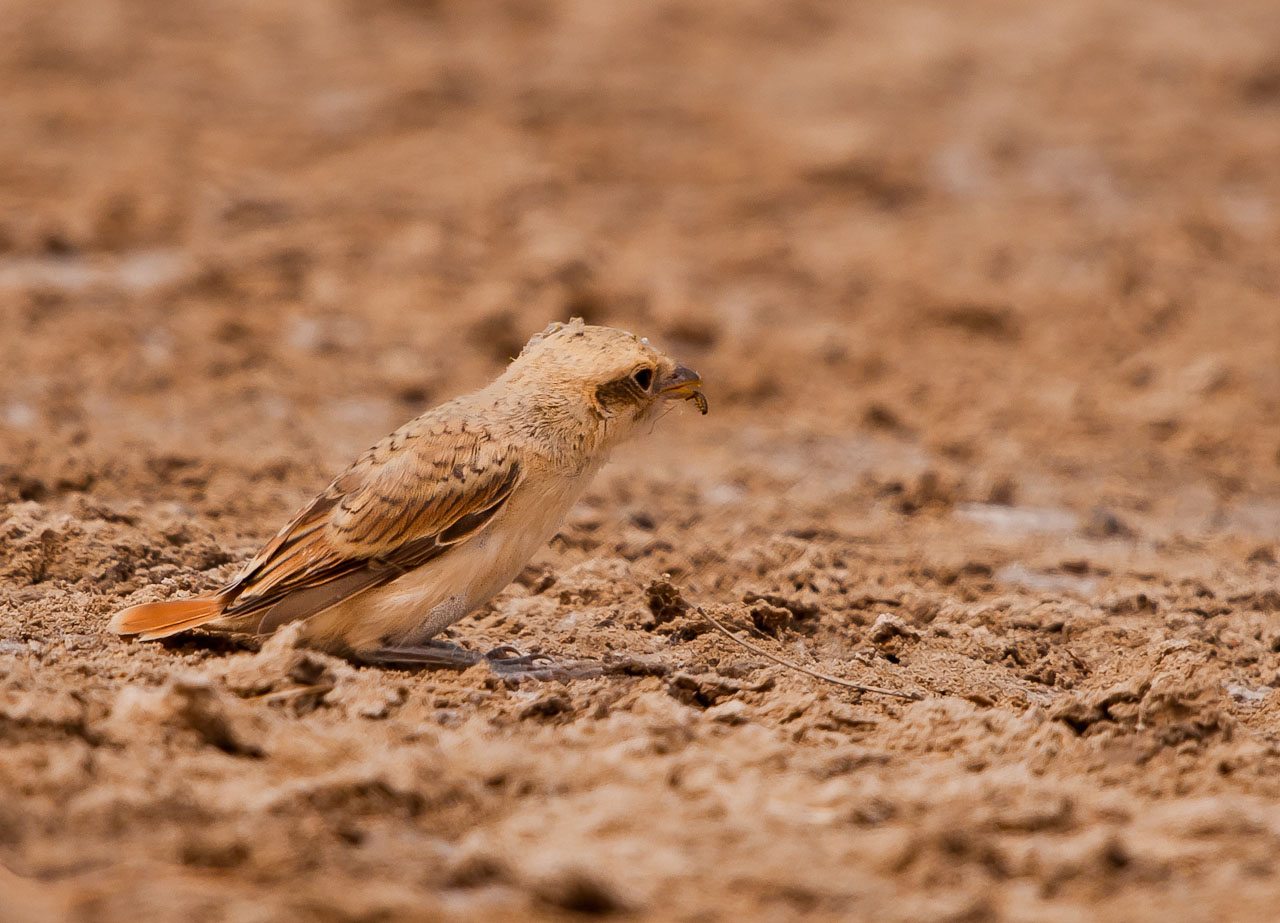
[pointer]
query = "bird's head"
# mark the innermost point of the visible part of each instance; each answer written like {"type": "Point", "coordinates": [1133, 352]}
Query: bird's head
{"type": "Point", "coordinates": [616, 378]}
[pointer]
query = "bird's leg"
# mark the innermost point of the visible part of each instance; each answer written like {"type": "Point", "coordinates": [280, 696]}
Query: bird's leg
{"type": "Point", "coordinates": [430, 655]}
{"type": "Point", "coordinates": [505, 661]}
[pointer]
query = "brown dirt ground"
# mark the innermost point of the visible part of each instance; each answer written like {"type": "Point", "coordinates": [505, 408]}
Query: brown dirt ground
{"type": "Point", "coordinates": [986, 296]}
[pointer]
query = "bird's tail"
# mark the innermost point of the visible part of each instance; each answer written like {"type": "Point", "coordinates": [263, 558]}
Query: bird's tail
{"type": "Point", "coordinates": [159, 620]}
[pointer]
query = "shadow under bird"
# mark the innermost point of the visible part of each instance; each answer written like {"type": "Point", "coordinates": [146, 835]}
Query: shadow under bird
{"type": "Point", "coordinates": [439, 516]}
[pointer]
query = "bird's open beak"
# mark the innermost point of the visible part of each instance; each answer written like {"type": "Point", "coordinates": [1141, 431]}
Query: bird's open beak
{"type": "Point", "coordinates": [684, 383]}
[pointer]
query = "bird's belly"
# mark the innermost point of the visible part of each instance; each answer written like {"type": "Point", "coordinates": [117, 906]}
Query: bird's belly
{"type": "Point", "coordinates": [425, 601]}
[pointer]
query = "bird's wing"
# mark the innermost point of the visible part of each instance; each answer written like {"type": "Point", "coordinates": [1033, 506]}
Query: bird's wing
{"type": "Point", "coordinates": [420, 491]}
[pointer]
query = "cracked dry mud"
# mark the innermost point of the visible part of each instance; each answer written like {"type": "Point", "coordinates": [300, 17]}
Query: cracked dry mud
{"type": "Point", "coordinates": [986, 297]}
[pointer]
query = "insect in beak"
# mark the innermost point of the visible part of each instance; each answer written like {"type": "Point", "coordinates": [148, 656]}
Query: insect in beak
{"type": "Point", "coordinates": [684, 383]}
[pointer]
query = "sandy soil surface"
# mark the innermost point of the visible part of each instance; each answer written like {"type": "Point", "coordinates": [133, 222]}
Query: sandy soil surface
{"type": "Point", "coordinates": [987, 297]}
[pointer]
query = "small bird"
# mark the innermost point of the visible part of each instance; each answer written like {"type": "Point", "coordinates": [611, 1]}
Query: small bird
{"type": "Point", "coordinates": [432, 521]}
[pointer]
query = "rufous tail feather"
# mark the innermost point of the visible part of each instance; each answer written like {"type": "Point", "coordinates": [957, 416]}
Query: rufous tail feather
{"type": "Point", "coordinates": [159, 620]}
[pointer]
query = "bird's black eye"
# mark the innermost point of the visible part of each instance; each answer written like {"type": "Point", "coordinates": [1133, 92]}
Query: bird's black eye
{"type": "Point", "coordinates": [643, 377]}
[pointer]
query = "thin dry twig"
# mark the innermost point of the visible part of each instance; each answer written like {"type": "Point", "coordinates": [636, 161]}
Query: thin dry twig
{"type": "Point", "coordinates": [826, 678]}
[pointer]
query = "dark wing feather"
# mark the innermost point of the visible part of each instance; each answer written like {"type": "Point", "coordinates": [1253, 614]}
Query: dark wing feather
{"type": "Point", "coordinates": [419, 492]}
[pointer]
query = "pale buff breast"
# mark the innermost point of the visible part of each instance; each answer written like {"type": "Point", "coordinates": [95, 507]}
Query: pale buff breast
{"type": "Point", "coordinates": [426, 601]}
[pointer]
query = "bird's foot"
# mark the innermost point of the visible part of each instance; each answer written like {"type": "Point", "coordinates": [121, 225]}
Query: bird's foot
{"type": "Point", "coordinates": [506, 655]}
{"type": "Point", "coordinates": [509, 663]}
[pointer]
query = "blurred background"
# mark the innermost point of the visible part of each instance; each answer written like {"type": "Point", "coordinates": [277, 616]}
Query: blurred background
{"type": "Point", "coordinates": [986, 295]}
{"type": "Point", "coordinates": [1023, 237]}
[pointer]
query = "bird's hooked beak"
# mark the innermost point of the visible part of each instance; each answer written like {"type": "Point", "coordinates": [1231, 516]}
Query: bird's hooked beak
{"type": "Point", "coordinates": [683, 383]}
